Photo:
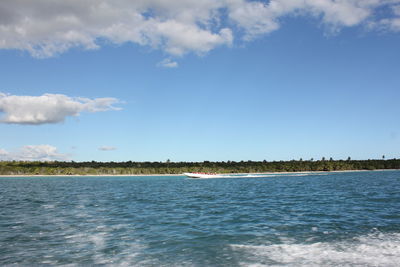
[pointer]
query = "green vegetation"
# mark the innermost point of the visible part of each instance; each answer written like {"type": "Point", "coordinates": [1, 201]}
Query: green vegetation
{"type": "Point", "coordinates": [168, 167]}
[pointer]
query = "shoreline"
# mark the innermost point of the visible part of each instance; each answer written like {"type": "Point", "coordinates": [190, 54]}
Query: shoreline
{"type": "Point", "coordinates": [180, 174]}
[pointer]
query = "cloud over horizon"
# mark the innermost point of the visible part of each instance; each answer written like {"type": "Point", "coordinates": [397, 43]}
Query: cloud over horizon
{"type": "Point", "coordinates": [107, 148]}
{"type": "Point", "coordinates": [47, 28]}
{"type": "Point", "coordinates": [48, 108]}
{"type": "Point", "coordinates": [34, 153]}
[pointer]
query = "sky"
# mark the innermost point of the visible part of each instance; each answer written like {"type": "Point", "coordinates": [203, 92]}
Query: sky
{"type": "Point", "coordinates": [189, 80]}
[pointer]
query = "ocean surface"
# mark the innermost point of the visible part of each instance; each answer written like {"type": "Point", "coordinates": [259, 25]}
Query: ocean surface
{"type": "Point", "coordinates": [336, 219]}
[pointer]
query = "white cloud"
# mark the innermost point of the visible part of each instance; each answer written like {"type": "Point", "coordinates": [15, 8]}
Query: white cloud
{"type": "Point", "coordinates": [34, 153]}
{"type": "Point", "coordinates": [392, 24]}
{"type": "Point", "coordinates": [46, 28]}
{"type": "Point", "coordinates": [396, 10]}
{"type": "Point", "coordinates": [168, 63]}
{"type": "Point", "coordinates": [48, 108]}
{"type": "Point", "coordinates": [107, 148]}
{"type": "Point", "coordinates": [3, 153]}
{"type": "Point", "coordinates": [254, 18]}
{"type": "Point", "coordinates": [389, 24]}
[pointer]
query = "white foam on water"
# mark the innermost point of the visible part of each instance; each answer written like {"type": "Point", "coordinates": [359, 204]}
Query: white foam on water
{"type": "Point", "coordinates": [127, 257]}
{"type": "Point", "coordinates": [263, 175]}
{"type": "Point", "coordinates": [376, 249]}
{"type": "Point", "coordinates": [48, 206]}
{"type": "Point", "coordinates": [98, 239]}
{"type": "Point", "coordinates": [75, 237]}
{"type": "Point", "coordinates": [101, 241]}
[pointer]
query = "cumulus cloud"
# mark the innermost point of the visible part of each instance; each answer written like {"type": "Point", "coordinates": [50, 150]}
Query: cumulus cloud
{"type": "Point", "coordinates": [168, 63]}
{"type": "Point", "coordinates": [107, 148]}
{"type": "Point", "coordinates": [34, 153]}
{"type": "Point", "coordinates": [46, 28]}
{"type": "Point", "coordinates": [48, 108]}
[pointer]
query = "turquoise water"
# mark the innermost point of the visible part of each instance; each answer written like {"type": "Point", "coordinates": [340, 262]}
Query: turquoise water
{"type": "Point", "coordinates": [339, 219]}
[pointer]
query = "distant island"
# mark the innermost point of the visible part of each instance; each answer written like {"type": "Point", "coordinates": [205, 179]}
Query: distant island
{"type": "Point", "coordinates": [168, 167]}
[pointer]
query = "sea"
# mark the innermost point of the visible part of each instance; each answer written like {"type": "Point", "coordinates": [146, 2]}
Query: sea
{"type": "Point", "coordinates": [301, 219]}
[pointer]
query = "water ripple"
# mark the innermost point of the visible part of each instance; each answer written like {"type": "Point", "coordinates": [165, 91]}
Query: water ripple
{"type": "Point", "coordinates": [340, 219]}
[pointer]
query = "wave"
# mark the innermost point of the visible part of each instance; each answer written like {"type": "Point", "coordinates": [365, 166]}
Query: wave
{"type": "Point", "coordinates": [375, 249]}
{"type": "Point", "coordinates": [262, 175]}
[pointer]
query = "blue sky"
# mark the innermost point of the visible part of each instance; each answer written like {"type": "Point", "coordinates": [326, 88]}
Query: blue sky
{"type": "Point", "coordinates": [319, 83]}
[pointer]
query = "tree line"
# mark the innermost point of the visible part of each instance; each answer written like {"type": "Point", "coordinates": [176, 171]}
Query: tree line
{"type": "Point", "coordinates": [168, 167]}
